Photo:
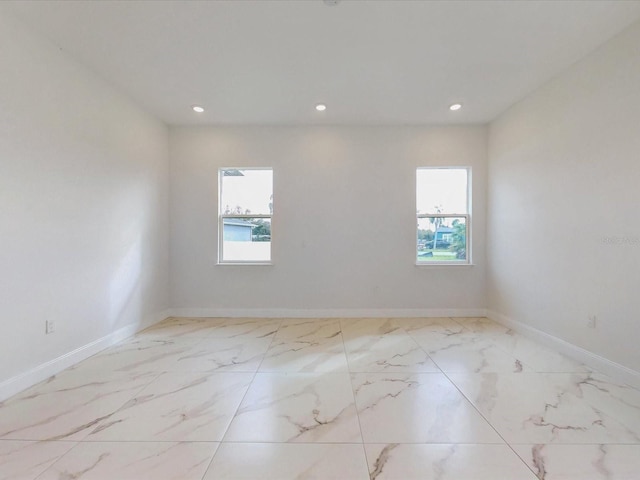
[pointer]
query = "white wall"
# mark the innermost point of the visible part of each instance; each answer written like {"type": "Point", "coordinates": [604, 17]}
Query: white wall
{"type": "Point", "coordinates": [564, 182]}
{"type": "Point", "coordinates": [83, 206]}
{"type": "Point", "coordinates": [343, 225]}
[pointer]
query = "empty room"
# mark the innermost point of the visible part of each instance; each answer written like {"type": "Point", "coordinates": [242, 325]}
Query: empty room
{"type": "Point", "coordinates": [319, 239]}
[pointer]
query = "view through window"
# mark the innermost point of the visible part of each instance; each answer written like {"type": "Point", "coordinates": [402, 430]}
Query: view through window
{"type": "Point", "coordinates": [442, 212]}
{"type": "Point", "coordinates": [246, 208]}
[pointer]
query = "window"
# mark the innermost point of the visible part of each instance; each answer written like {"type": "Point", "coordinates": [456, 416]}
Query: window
{"type": "Point", "coordinates": [246, 207]}
{"type": "Point", "coordinates": [443, 215]}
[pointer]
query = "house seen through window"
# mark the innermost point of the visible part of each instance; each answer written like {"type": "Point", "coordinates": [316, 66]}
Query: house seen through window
{"type": "Point", "coordinates": [246, 208]}
{"type": "Point", "coordinates": [443, 215]}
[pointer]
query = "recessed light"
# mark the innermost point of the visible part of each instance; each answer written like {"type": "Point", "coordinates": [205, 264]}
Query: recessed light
{"type": "Point", "coordinates": [455, 106]}
{"type": "Point", "coordinates": [197, 108]}
{"type": "Point", "coordinates": [321, 107]}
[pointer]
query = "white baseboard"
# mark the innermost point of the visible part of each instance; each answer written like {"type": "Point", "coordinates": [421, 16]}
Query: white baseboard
{"type": "Point", "coordinates": [21, 382]}
{"type": "Point", "coordinates": [327, 312]}
{"type": "Point", "coordinates": [592, 360]}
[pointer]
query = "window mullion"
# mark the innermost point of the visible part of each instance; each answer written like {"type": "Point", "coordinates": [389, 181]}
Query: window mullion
{"type": "Point", "coordinates": [442, 239]}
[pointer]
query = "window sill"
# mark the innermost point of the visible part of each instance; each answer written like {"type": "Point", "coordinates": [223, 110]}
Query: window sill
{"type": "Point", "coordinates": [252, 264]}
{"type": "Point", "coordinates": [445, 264]}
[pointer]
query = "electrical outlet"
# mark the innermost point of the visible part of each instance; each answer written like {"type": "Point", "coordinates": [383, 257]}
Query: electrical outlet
{"type": "Point", "coordinates": [592, 321]}
{"type": "Point", "coordinates": [50, 327]}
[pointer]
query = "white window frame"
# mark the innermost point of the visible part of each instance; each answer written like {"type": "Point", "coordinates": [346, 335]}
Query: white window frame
{"type": "Point", "coordinates": [223, 216]}
{"type": "Point", "coordinates": [467, 216]}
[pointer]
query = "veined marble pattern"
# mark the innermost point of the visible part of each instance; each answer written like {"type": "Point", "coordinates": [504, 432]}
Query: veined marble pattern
{"type": "Point", "coordinates": [311, 355]}
{"type": "Point", "coordinates": [281, 461]}
{"type": "Point", "coordinates": [445, 339]}
{"type": "Point", "coordinates": [222, 355]}
{"type": "Point", "coordinates": [389, 353]}
{"type": "Point", "coordinates": [445, 462]}
{"type": "Point", "coordinates": [555, 407]}
{"type": "Point", "coordinates": [21, 460]}
{"type": "Point", "coordinates": [357, 328]}
{"type": "Point", "coordinates": [309, 329]}
{"type": "Point", "coordinates": [137, 356]}
{"type": "Point", "coordinates": [468, 352]}
{"type": "Point", "coordinates": [175, 328]}
{"type": "Point", "coordinates": [582, 462]}
{"type": "Point", "coordinates": [297, 408]}
{"type": "Point", "coordinates": [307, 345]}
{"type": "Point", "coordinates": [417, 408]}
{"type": "Point", "coordinates": [429, 326]}
{"type": "Point", "coordinates": [178, 407]}
{"type": "Point", "coordinates": [537, 357]}
{"type": "Point", "coordinates": [351, 399]}
{"type": "Point", "coordinates": [481, 325]}
{"type": "Point", "coordinates": [133, 461]}
{"type": "Point", "coordinates": [65, 409]}
{"type": "Point", "coordinates": [244, 328]}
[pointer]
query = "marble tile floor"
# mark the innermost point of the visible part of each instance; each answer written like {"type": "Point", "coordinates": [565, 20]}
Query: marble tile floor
{"type": "Point", "coordinates": [345, 399]}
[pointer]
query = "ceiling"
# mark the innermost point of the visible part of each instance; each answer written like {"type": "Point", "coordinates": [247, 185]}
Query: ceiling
{"type": "Point", "coordinates": [371, 62]}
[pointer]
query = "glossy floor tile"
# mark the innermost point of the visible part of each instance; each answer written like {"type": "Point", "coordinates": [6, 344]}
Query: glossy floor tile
{"type": "Point", "coordinates": [417, 408]}
{"type": "Point", "coordinates": [445, 462]}
{"type": "Point", "coordinates": [582, 462]}
{"type": "Point", "coordinates": [309, 330]}
{"type": "Point", "coordinates": [537, 357]}
{"type": "Point", "coordinates": [133, 461]}
{"type": "Point", "coordinates": [286, 461]}
{"type": "Point", "coordinates": [306, 345]}
{"type": "Point", "coordinates": [181, 328]}
{"type": "Point", "coordinates": [347, 399]}
{"type": "Point", "coordinates": [67, 407]}
{"type": "Point", "coordinates": [555, 407]}
{"type": "Point", "coordinates": [297, 407]}
{"type": "Point", "coordinates": [468, 352]}
{"type": "Point", "coordinates": [481, 325]}
{"type": "Point", "coordinates": [429, 326]}
{"type": "Point", "coordinates": [305, 355]}
{"type": "Point", "coordinates": [244, 328]}
{"type": "Point", "coordinates": [388, 353]}
{"type": "Point", "coordinates": [177, 407]}
{"type": "Point", "coordinates": [137, 356]}
{"type": "Point", "coordinates": [222, 355]}
{"type": "Point", "coordinates": [357, 328]}
{"type": "Point", "coordinates": [20, 460]}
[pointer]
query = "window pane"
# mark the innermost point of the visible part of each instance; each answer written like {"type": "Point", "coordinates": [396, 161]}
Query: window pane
{"type": "Point", "coordinates": [246, 239]}
{"type": "Point", "coordinates": [246, 191]}
{"type": "Point", "coordinates": [441, 190]}
{"type": "Point", "coordinates": [442, 239]}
